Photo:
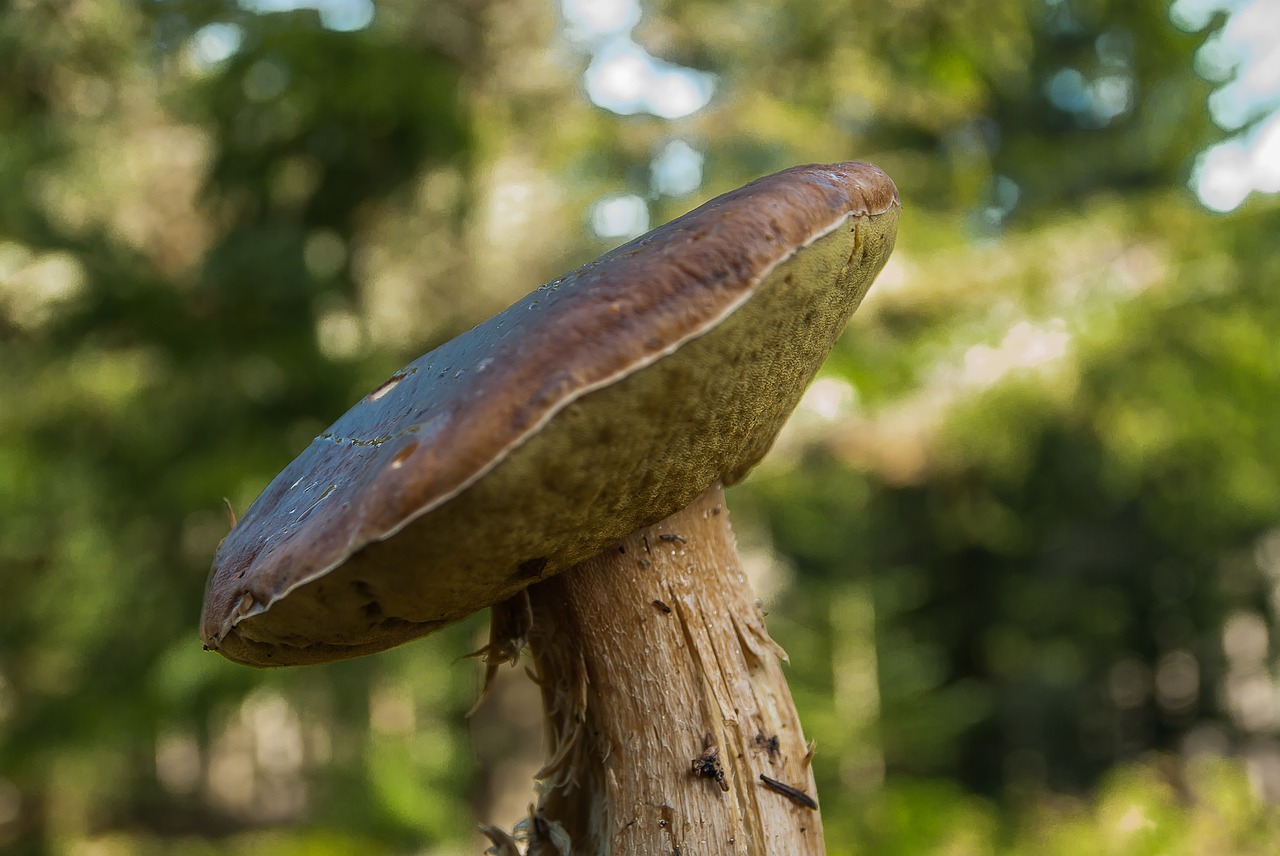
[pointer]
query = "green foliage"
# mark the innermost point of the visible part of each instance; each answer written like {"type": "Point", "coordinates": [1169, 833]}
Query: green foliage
{"type": "Point", "coordinates": [1210, 808]}
{"type": "Point", "coordinates": [1133, 487]}
{"type": "Point", "coordinates": [1036, 541]}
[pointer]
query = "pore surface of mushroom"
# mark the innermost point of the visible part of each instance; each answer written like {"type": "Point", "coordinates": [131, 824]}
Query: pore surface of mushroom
{"type": "Point", "coordinates": [600, 404]}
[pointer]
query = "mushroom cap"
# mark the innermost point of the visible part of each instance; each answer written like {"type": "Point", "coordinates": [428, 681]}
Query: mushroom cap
{"type": "Point", "coordinates": [604, 401]}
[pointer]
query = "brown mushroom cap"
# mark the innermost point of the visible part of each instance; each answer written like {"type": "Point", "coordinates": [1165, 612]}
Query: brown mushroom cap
{"type": "Point", "coordinates": [602, 402]}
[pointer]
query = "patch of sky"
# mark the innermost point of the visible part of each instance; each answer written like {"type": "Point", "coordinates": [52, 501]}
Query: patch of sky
{"type": "Point", "coordinates": [341, 15]}
{"type": "Point", "coordinates": [214, 43]}
{"type": "Point", "coordinates": [624, 78]}
{"type": "Point", "coordinates": [676, 170]}
{"type": "Point", "coordinates": [588, 20]}
{"type": "Point", "coordinates": [1099, 100]}
{"type": "Point", "coordinates": [624, 216]}
{"type": "Point", "coordinates": [1244, 57]}
{"type": "Point", "coordinates": [217, 42]}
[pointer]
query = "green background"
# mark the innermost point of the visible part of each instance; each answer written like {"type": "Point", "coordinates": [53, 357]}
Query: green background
{"type": "Point", "coordinates": [1022, 541]}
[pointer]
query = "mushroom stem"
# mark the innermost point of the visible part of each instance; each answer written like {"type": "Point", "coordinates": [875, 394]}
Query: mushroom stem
{"type": "Point", "coordinates": [665, 702]}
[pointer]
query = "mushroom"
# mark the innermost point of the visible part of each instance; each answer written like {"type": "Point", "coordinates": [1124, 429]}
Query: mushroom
{"type": "Point", "coordinates": [562, 463]}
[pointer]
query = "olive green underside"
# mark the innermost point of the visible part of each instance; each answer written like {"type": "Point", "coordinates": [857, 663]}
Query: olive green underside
{"type": "Point", "coordinates": [618, 458]}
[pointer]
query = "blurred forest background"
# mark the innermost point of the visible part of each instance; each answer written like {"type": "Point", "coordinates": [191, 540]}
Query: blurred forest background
{"type": "Point", "coordinates": [1021, 540]}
